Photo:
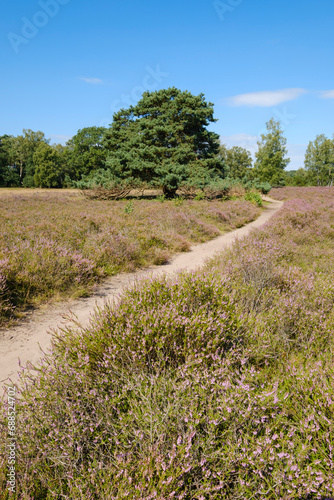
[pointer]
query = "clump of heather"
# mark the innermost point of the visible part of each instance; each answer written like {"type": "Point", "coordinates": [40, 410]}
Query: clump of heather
{"type": "Point", "coordinates": [6, 307]}
{"type": "Point", "coordinates": [58, 245]}
{"type": "Point", "coordinates": [208, 385]}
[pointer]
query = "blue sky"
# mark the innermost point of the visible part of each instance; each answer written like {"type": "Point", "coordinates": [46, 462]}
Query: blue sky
{"type": "Point", "coordinates": [69, 64]}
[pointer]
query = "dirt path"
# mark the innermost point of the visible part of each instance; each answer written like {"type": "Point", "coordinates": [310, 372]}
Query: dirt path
{"type": "Point", "coordinates": [25, 340]}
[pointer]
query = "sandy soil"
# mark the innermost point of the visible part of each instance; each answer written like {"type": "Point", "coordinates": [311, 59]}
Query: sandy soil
{"type": "Point", "coordinates": [25, 341]}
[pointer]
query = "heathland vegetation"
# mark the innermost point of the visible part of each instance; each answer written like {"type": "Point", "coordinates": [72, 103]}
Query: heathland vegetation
{"type": "Point", "coordinates": [206, 385]}
{"type": "Point", "coordinates": [57, 243]}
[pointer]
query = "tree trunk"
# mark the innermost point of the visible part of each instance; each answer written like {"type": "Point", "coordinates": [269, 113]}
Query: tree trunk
{"type": "Point", "coordinates": [169, 193]}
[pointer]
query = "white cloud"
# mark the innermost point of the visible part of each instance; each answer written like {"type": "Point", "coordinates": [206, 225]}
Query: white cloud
{"type": "Point", "coordinates": [93, 81]}
{"type": "Point", "coordinates": [327, 94]}
{"type": "Point", "coordinates": [265, 98]}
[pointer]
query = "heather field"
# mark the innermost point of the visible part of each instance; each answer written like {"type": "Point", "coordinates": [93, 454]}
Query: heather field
{"type": "Point", "coordinates": [216, 384]}
{"type": "Point", "coordinates": [304, 193]}
{"type": "Point", "coordinates": [57, 243]}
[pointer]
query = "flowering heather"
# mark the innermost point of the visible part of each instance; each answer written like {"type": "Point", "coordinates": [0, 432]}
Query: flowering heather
{"type": "Point", "coordinates": [216, 384]}
{"type": "Point", "coordinates": [57, 244]}
{"type": "Point", "coordinates": [305, 193]}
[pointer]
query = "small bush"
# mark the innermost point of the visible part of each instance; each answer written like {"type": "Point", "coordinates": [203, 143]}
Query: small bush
{"type": "Point", "coordinates": [178, 202]}
{"type": "Point", "coordinates": [254, 198]}
{"type": "Point", "coordinates": [129, 207]}
{"type": "Point", "coordinates": [263, 187]}
{"type": "Point", "coordinates": [200, 196]}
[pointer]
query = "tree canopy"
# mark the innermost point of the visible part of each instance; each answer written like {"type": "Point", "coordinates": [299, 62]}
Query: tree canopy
{"type": "Point", "coordinates": [271, 159]}
{"type": "Point", "coordinates": [163, 140]}
{"type": "Point", "coordinates": [238, 161]}
{"type": "Point", "coordinates": [8, 175]}
{"type": "Point", "coordinates": [85, 152]}
{"type": "Point", "coordinates": [49, 166]}
{"type": "Point", "coordinates": [319, 160]}
{"type": "Point", "coordinates": [21, 150]}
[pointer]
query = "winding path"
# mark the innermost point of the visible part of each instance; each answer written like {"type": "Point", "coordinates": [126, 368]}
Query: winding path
{"type": "Point", "coordinates": [26, 340]}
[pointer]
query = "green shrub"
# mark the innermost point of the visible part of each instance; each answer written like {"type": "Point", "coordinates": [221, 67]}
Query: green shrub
{"type": "Point", "coordinates": [200, 196]}
{"type": "Point", "coordinates": [28, 181]}
{"type": "Point", "coordinates": [129, 207]}
{"type": "Point", "coordinates": [254, 198]}
{"type": "Point", "coordinates": [263, 187]}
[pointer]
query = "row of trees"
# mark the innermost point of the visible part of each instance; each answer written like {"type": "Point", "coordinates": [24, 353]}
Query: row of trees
{"type": "Point", "coordinates": [29, 160]}
{"type": "Point", "coordinates": [162, 141]}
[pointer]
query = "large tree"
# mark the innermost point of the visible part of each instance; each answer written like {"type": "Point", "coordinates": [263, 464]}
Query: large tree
{"type": "Point", "coordinates": [8, 174]}
{"type": "Point", "coordinates": [319, 160]}
{"type": "Point", "coordinates": [237, 160]}
{"type": "Point", "coordinates": [271, 159]}
{"type": "Point", "coordinates": [85, 152]}
{"type": "Point", "coordinates": [21, 152]}
{"type": "Point", "coordinates": [49, 166]}
{"type": "Point", "coordinates": [163, 140]}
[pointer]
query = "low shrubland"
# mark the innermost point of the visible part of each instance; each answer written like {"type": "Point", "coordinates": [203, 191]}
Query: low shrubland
{"type": "Point", "coordinates": [58, 244]}
{"type": "Point", "coordinates": [206, 385]}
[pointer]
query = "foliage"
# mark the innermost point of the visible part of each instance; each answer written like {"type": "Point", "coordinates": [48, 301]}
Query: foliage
{"type": "Point", "coordinates": [8, 175]}
{"type": "Point", "coordinates": [254, 197]}
{"type": "Point", "coordinates": [163, 140]}
{"type": "Point", "coordinates": [21, 151]}
{"type": "Point", "coordinates": [129, 207]}
{"type": "Point", "coordinates": [49, 166]}
{"type": "Point", "coordinates": [215, 189]}
{"type": "Point", "coordinates": [300, 177]}
{"type": "Point", "coordinates": [85, 152]}
{"type": "Point", "coordinates": [98, 178]}
{"type": "Point", "coordinates": [319, 160]}
{"type": "Point", "coordinates": [178, 202]}
{"type": "Point", "coordinates": [103, 185]}
{"type": "Point", "coordinates": [222, 188]}
{"type": "Point", "coordinates": [263, 187]}
{"type": "Point", "coordinates": [209, 385]}
{"type": "Point", "coordinates": [59, 243]}
{"type": "Point", "coordinates": [238, 161]}
{"type": "Point", "coordinates": [271, 157]}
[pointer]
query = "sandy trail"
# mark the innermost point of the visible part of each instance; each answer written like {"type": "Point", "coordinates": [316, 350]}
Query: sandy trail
{"type": "Point", "coordinates": [26, 340]}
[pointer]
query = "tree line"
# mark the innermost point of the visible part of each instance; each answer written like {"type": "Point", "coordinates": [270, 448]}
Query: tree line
{"type": "Point", "coordinates": [162, 141]}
